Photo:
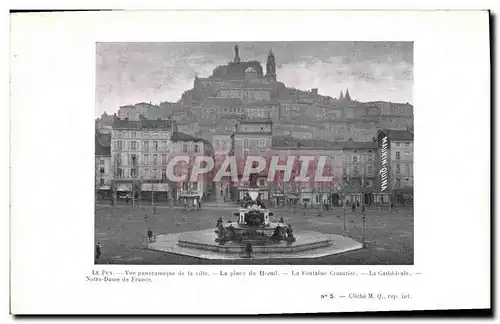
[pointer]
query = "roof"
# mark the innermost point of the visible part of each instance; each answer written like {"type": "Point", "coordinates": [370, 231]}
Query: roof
{"type": "Point", "coordinates": [250, 70]}
{"type": "Point", "coordinates": [142, 123]}
{"type": "Point", "coordinates": [178, 136]}
{"type": "Point", "coordinates": [398, 135]}
{"type": "Point", "coordinates": [102, 144]}
{"type": "Point", "coordinates": [222, 102]}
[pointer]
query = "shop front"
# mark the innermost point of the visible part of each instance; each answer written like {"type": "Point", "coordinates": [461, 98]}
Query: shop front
{"type": "Point", "coordinates": [403, 197]}
{"type": "Point", "coordinates": [382, 198]}
{"type": "Point", "coordinates": [156, 191]}
{"type": "Point", "coordinates": [104, 193]}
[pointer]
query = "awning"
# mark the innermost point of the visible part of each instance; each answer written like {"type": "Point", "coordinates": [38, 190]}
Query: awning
{"type": "Point", "coordinates": [155, 187]}
{"type": "Point", "coordinates": [105, 188]}
{"type": "Point", "coordinates": [124, 187]}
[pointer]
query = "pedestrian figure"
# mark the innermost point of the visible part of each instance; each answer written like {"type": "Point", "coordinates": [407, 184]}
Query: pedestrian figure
{"type": "Point", "coordinates": [150, 235]}
{"type": "Point", "coordinates": [249, 250]}
{"type": "Point", "coordinates": [392, 206]}
{"type": "Point", "coordinates": [146, 218]}
{"type": "Point", "coordinates": [97, 251]}
{"type": "Point", "coordinates": [353, 207]}
{"type": "Point", "coordinates": [357, 203]}
{"type": "Point", "coordinates": [363, 209]}
{"type": "Point", "coordinates": [199, 204]}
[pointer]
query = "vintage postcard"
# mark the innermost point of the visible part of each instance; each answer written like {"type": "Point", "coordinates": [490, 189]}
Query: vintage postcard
{"type": "Point", "coordinates": [247, 162]}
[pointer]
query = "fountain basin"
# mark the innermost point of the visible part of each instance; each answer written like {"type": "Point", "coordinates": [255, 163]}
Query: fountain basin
{"type": "Point", "coordinates": [202, 244]}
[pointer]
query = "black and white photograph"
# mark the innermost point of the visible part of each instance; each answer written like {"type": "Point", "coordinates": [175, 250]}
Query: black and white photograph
{"type": "Point", "coordinates": [254, 153]}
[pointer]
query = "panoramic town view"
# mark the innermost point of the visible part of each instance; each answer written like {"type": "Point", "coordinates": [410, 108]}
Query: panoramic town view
{"type": "Point", "coordinates": [254, 153]}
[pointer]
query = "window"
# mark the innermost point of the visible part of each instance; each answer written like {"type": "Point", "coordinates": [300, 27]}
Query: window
{"type": "Point", "coordinates": [120, 145]}
{"type": "Point", "coordinates": [262, 143]}
{"type": "Point", "coordinates": [146, 173]}
{"type": "Point", "coordinates": [398, 168]}
{"type": "Point", "coordinates": [370, 168]}
{"type": "Point", "coordinates": [101, 170]}
{"type": "Point", "coordinates": [163, 159]}
{"type": "Point", "coordinates": [262, 182]}
{"type": "Point", "coordinates": [133, 172]}
{"type": "Point", "coordinates": [184, 148]}
{"type": "Point", "coordinates": [196, 148]}
{"type": "Point", "coordinates": [164, 174]}
{"type": "Point", "coordinates": [355, 169]}
{"type": "Point", "coordinates": [354, 158]}
{"type": "Point", "coordinates": [397, 144]}
{"type": "Point", "coordinates": [145, 145]}
{"type": "Point", "coordinates": [164, 144]}
{"type": "Point", "coordinates": [155, 159]}
{"type": "Point", "coordinates": [407, 144]}
{"type": "Point", "coordinates": [146, 158]}
{"type": "Point", "coordinates": [133, 145]}
{"type": "Point", "coordinates": [398, 183]}
{"type": "Point", "coordinates": [133, 134]}
{"type": "Point", "coordinates": [119, 173]}
{"type": "Point", "coordinates": [101, 161]}
{"type": "Point", "coordinates": [101, 182]}
{"type": "Point", "coordinates": [154, 174]}
{"type": "Point", "coordinates": [407, 169]}
{"type": "Point", "coordinates": [134, 159]}
{"type": "Point", "coordinates": [398, 155]}
{"type": "Point", "coordinates": [155, 145]}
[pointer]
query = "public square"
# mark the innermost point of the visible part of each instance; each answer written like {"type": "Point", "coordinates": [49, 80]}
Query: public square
{"type": "Point", "coordinates": [122, 233]}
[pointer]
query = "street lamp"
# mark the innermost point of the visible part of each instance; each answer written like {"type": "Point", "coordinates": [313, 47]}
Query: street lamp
{"type": "Point", "coordinates": [363, 229]}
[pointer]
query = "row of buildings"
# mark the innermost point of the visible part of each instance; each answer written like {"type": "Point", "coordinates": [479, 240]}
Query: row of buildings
{"type": "Point", "coordinates": [132, 159]}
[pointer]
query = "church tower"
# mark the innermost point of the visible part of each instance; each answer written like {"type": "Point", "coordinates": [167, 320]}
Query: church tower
{"type": "Point", "coordinates": [347, 95]}
{"type": "Point", "coordinates": [236, 55]}
{"type": "Point", "coordinates": [341, 95]}
{"type": "Point", "coordinates": [271, 67]}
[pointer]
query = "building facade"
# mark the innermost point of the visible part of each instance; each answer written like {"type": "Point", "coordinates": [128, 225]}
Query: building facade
{"type": "Point", "coordinates": [187, 145]}
{"type": "Point", "coordinates": [103, 166]}
{"type": "Point", "coordinates": [252, 137]}
{"type": "Point", "coordinates": [359, 172]}
{"type": "Point", "coordinates": [139, 153]}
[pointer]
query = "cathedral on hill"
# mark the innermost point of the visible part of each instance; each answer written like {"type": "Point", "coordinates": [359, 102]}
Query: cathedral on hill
{"type": "Point", "coordinates": [242, 70]}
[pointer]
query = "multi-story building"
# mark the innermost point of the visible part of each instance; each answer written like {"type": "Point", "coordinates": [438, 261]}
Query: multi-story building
{"type": "Point", "coordinates": [149, 111]}
{"type": "Point", "coordinates": [263, 109]}
{"type": "Point", "coordinates": [140, 151]}
{"type": "Point", "coordinates": [247, 95]}
{"type": "Point", "coordinates": [395, 158]}
{"type": "Point", "coordinates": [253, 137]}
{"type": "Point", "coordinates": [215, 108]}
{"type": "Point", "coordinates": [222, 143]}
{"type": "Point", "coordinates": [359, 172]}
{"type": "Point", "coordinates": [315, 191]}
{"type": "Point", "coordinates": [186, 145]}
{"type": "Point", "coordinates": [103, 167]}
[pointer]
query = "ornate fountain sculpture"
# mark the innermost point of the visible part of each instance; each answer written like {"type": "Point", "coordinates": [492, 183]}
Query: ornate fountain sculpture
{"type": "Point", "coordinates": [254, 225]}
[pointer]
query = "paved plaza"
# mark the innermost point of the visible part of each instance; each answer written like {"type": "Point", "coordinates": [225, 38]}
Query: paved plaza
{"type": "Point", "coordinates": [122, 233]}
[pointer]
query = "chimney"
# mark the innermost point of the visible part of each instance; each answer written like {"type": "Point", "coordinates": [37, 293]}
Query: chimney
{"type": "Point", "coordinates": [314, 91]}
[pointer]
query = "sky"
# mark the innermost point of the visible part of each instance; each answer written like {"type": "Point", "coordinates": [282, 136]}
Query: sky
{"type": "Point", "coordinates": [129, 73]}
